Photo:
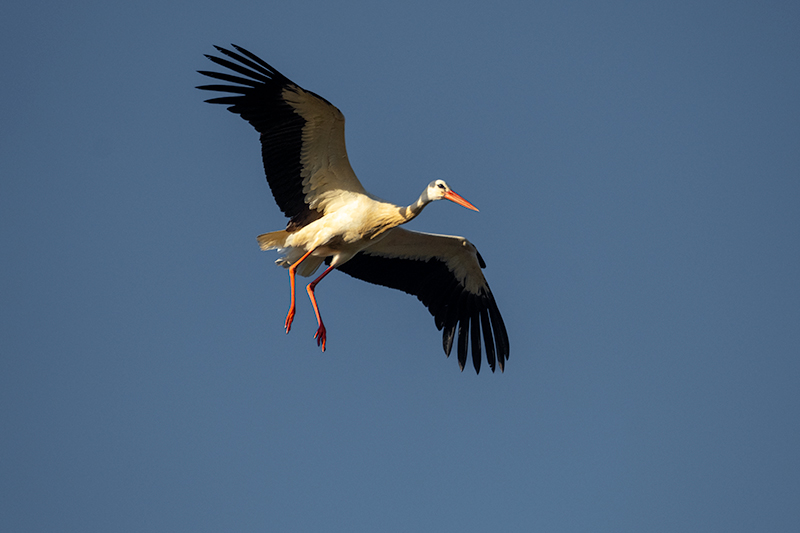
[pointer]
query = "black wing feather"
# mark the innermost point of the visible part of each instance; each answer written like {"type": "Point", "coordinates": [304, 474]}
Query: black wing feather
{"type": "Point", "coordinates": [487, 336]}
{"type": "Point", "coordinates": [451, 304]}
{"type": "Point", "coordinates": [259, 101]}
{"type": "Point", "coordinates": [475, 329]}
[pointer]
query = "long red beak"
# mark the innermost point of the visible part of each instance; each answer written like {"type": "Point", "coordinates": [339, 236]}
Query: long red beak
{"type": "Point", "coordinates": [453, 197]}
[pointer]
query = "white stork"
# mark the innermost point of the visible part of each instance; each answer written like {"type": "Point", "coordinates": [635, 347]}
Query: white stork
{"type": "Point", "coordinates": [333, 219]}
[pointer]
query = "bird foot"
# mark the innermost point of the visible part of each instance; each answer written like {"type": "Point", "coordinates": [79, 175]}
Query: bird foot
{"type": "Point", "coordinates": [320, 335]}
{"type": "Point", "coordinates": [289, 318]}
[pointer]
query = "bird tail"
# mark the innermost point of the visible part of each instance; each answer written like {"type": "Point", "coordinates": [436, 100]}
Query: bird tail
{"type": "Point", "coordinates": [273, 239]}
{"type": "Point", "coordinates": [277, 239]}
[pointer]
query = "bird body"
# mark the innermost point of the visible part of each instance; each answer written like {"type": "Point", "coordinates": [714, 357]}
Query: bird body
{"type": "Point", "coordinates": [349, 223]}
{"type": "Point", "coordinates": [334, 220]}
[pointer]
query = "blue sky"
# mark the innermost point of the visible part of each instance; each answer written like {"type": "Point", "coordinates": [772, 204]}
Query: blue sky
{"type": "Point", "coordinates": [637, 169]}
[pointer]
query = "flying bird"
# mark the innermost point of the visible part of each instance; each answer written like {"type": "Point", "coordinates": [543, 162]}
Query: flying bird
{"type": "Point", "coordinates": [334, 220]}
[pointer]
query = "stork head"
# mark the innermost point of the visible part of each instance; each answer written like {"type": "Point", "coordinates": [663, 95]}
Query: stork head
{"type": "Point", "coordinates": [439, 190]}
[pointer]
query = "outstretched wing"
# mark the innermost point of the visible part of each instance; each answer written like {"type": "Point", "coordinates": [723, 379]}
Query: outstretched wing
{"type": "Point", "coordinates": [302, 134]}
{"type": "Point", "coordinates": [444, 272]}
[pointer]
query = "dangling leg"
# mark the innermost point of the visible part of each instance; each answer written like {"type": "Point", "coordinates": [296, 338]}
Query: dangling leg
{"type": "Point", "coordinates": [320, 334]}
{"type": "Point", "coordinates": [290, 316]}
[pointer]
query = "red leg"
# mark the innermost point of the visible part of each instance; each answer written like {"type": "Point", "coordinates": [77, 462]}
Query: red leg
{"type": "Point", "coordinates": [320, 334]}
{"type": "Point", "coordinates": [292, 268]}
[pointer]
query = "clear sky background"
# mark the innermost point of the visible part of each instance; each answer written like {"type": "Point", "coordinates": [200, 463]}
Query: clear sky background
{"type": "Point", "coordinates": [637, 167]}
